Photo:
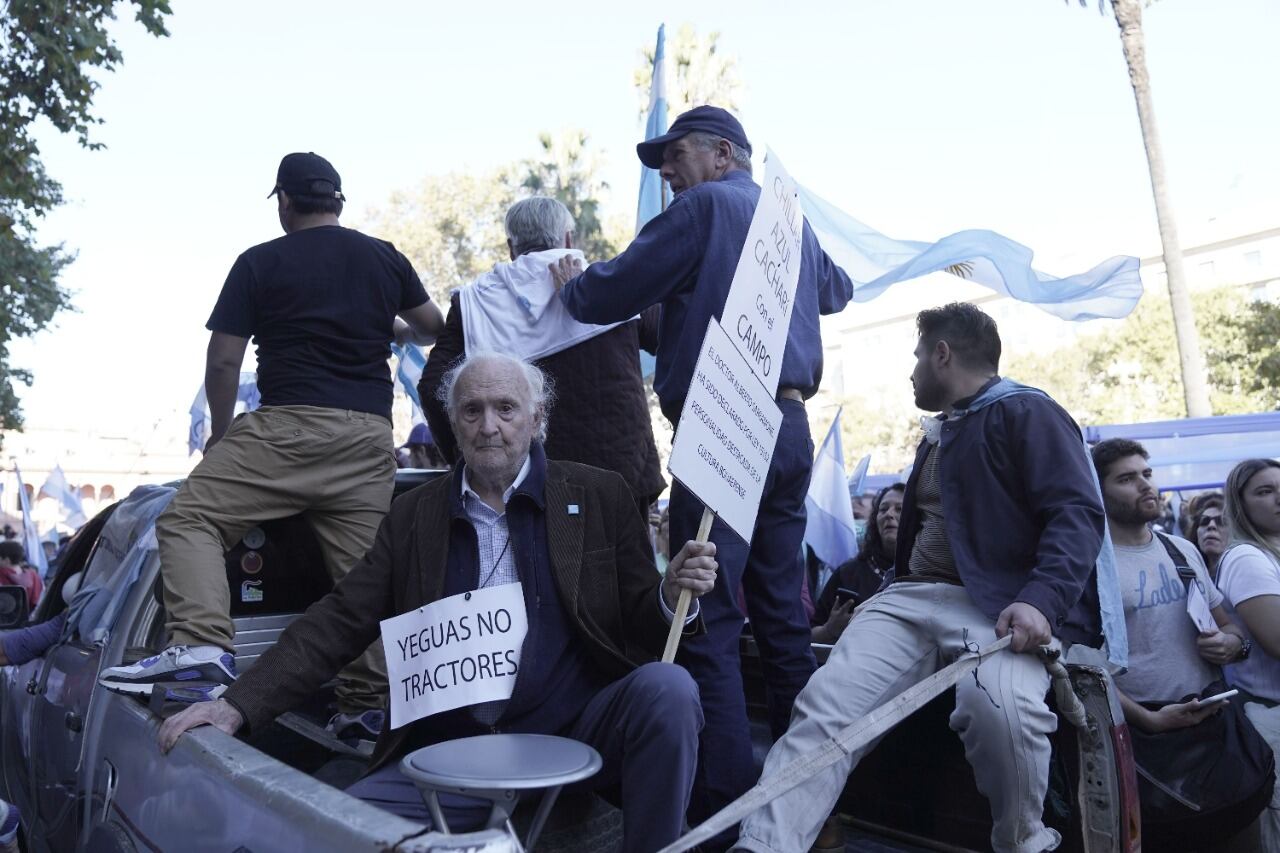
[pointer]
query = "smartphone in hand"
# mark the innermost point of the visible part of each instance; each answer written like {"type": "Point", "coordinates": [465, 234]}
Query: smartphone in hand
{"type": "Point", "coordinates": [843, 594]}
{"type": "Point", "coordinates": [1220, 697]}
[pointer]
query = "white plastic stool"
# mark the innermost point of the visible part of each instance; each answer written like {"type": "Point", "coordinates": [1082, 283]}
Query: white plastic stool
{"type": "Point", "coordinates": [500, 768]}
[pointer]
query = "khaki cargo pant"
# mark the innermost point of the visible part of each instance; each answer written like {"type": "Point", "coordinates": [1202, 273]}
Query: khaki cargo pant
{"type": "Point", "coordinates": [899, 637]}
{"type": "Point", "coordinates": [336, 467]}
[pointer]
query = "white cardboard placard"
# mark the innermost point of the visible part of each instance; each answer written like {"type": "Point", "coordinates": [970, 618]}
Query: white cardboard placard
{"type": "Point", "coordinates": [757, 311]}
{"type": "Point", "coordinates": [727, 433]}
{"type": "Point", "coordinates": [458, 651]}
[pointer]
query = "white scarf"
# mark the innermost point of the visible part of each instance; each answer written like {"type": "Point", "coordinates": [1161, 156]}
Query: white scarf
{"type": "Point", "coordinates": [514, 309]}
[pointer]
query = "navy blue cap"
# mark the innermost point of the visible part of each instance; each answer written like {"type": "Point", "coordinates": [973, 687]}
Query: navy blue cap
{"type": "Point", "coordinates": [420, 434]}
{"type": "Point", "coordinates": [713, 120]}
{"type": "Point", "coordinates": [308, 174]}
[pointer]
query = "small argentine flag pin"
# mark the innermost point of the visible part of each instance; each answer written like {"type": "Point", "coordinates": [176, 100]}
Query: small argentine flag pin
{"type": "Point", "coordinates": [572, 509]}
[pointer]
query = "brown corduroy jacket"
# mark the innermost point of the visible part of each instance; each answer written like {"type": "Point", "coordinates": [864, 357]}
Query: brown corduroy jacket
{"type": "Point", "coordinates": [601, 559]}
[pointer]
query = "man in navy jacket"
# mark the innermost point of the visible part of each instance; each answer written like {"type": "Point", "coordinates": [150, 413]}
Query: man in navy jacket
{"type": "Point", "coordinates": [1001, 526]}
{"type": "Point", "coordinates": [684, 259]}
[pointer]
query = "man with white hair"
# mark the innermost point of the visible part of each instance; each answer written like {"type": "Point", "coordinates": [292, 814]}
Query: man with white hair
{"type": "Point", "coordinates": [601, 416]}
{"type": "Point", "coordinates": [598, 612]}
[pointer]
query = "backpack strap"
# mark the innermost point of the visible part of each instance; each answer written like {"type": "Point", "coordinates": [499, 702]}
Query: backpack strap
{"type": "Point", "coordinates": [1185, 572]}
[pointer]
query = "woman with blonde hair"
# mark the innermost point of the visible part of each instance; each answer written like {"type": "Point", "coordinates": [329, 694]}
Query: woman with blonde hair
{"type": "Point", "coordinates": [1249, 577]}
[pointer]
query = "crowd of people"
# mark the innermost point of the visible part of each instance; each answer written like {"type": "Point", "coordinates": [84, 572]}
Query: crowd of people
{"type": "Point", "coordinates": [1008, 525]}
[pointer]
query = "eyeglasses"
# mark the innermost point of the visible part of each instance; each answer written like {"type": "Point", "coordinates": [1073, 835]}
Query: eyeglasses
{"type": "Point", "coordinates": [1206, 520]}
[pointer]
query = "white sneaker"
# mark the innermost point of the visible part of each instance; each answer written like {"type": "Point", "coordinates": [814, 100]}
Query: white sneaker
{"type": "Point", "coordinates": [176, 663]}
{"type": "Point", "coordinates": [9, 822]}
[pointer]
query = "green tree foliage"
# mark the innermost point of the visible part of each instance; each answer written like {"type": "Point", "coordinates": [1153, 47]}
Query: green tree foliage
{"type": "Point", "coordinates": [702, 72]}
{"type": "Point", "coordinates": [449, 226]}
{"type": "Point", "coordinates": [1127, 372]}
{"type": "Point", "coordinates": [567, 170]}
{"type": "Point", "coordinates": [1130, 372]}
{"type": "Point", "coordinates": [887, 427]}
{"type": "Point", "coordinates": [48, 50]}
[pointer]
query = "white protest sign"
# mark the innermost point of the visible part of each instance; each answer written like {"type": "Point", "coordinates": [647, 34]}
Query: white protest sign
{"type": "Point", "coordinates": [728, 429]}
{"type": "Point", "coordinates": [757, 312]}
{"type": "Point", "coordinates": [455, 652]}
{"type": "Point", "coordinates": [1198, 608]}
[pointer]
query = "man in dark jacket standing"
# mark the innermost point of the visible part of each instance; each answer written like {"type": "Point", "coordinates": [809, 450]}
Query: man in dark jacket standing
{"type": "Point", "coordinates": [597, 612]}
{"type": "Point", "coordinates": [601, 415]}
{"type": "Point", "coordinates": [1001, 525]}
{"type": "Point", "coordinates": [684, 259]}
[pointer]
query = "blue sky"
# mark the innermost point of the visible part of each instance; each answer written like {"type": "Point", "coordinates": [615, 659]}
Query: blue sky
{"type": "Point", "coordinates": [919, 118]}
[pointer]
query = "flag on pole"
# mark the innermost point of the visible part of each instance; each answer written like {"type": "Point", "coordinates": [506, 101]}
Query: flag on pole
{"type": "Point", "coordinates": [858, 479]}
{"type": "Point", "coordinates": [410, 362]}
{"type": "Point", "coordinates": [875, 262]}
{"type": "Point", "coordinates": [30, 536]}
{"type": "Point", "coordinates": [247, 399]}
{"type": "Point", "coordinates": [653, 190]}
{"type": "Point", "coordinates": [56, 487]}
{"type": "Point", "coordinates": [829, 529]}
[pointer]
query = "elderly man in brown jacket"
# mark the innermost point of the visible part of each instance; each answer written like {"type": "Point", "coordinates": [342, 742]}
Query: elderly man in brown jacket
{"type": "Point", "coordinates": [597, 612]}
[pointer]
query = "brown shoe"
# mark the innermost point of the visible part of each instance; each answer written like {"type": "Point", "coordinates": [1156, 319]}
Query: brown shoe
{"type": "Point", "coordinates": [831, 838]}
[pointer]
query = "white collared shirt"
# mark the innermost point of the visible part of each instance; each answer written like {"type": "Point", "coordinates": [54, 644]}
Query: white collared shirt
{"type": "Point", "coordinates": [493, 539]}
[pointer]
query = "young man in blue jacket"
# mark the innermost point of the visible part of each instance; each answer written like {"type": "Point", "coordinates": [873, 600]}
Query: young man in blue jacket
{"type": "Point", "coordinates": [684, 259]}
{"type": "Point", "coordinates": [1001, 525]}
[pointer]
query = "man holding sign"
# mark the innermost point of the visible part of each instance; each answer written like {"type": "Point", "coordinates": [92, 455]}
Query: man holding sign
{"type": "Point", "coordinates": [517, 595]}
{"type": "Point", "coordinates": [686, 259]}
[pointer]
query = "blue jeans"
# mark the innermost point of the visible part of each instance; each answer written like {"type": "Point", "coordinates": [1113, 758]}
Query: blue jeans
{"type": "Point", "coordinates": [645, 727]}
{"type": "Point", "coordinates": [769, 570]}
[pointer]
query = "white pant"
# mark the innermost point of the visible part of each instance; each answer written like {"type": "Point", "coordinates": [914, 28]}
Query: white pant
{"type": "Point", "coordinates": [899, 637]}
{"type": "Point", "coordinates": [1267, 722]}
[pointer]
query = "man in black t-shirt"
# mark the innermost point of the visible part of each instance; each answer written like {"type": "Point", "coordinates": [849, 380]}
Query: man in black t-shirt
{"type": "Point", "coordinates": [321, 304]}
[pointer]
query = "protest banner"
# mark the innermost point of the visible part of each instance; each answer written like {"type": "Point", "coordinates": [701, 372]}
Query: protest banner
{"type": "Point", "coordinates": [757, 312]}
{"type": "Point", "coordinates": [727, 432]}
{"type": "Point", "coordinates": [454, 652]}
{"type": "Point", "coordinates": [729, 424]}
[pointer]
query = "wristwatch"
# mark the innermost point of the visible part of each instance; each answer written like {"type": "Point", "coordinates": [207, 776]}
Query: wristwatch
{"type": "Point", "coordinates": [1246, 646]}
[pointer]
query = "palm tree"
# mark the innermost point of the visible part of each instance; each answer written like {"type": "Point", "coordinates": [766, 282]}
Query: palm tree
{"type": "Point", "coordinates": [704, 73]}
{"type": "Point", "coordinates": [1195, 388]}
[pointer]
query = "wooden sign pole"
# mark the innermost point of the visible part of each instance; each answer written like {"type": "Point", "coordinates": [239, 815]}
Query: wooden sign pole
{"type": "Point", "coordinates": [682, 607]}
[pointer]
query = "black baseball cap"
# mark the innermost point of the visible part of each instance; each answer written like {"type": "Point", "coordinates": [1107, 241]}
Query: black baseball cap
{"type": "Point", "coordinates": [707, 119]}
{"type": "Point", "coordinates": [308, 174]}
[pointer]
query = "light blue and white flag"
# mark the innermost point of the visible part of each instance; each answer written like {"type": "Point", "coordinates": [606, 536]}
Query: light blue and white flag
{"type": "Point", "coordinates": [829, 529]}
{"type": "Point", "coordinates": [875, 262]}
{"type": "Point", "coordinates": [654, 193]}
{"type": "Point", "coordinates": [858, 479]}
{"type": "Point", "coordinates": [410, 362]}
{"type": "Point", "coordinates": [30, 535]}
{"type": "Point", "coordinates": [56, 487]}
{"type": "Point", "coordinates": [247, 399]}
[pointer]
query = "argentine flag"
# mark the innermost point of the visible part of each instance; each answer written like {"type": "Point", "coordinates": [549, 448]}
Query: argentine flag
{"type": "Point", "coordinates": [56, 487]}
{"type": "Point", "coordinates": [410, 362]}
{"type": "Point", "coordinates": [247, 399]}
{"type": "Point", "coordinates": [875, 262]}
{"type": "Point", "coordinates": [654, 193]}
{"type": "Point", "coordinates": [829, 528]}
{"type": "Point", "coordinates": [30, 535]}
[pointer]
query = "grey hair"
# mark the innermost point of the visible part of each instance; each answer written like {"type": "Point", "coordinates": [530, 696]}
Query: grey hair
{"type": "Point", "coordinates": [706, 141]}
{"type": "Point", "coordinates": [537, 223]}
{"type": "Point", "coordinates": [541, 388]}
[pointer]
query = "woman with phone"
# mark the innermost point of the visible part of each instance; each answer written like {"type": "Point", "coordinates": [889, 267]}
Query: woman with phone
{"type": "Point", "coordinates": [858, 579]}
{"type": "Point", "coordinates": [1249, 576]}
